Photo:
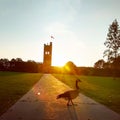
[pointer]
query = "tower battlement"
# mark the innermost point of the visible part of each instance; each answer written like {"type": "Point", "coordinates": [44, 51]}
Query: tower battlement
{"type": "Point", "coordinates": [48, 45]}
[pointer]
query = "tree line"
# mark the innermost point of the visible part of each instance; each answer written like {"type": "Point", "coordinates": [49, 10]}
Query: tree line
{"type": "Point", "coordinates": [18, 65]}
{"type": "Point", "coordinates": [114, 64]}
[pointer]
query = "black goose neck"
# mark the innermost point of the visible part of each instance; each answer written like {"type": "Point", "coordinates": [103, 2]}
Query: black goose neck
{"type": "Point", "coordinates": [77, 87]}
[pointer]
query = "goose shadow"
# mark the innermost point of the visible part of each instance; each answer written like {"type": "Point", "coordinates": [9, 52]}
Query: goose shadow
{"type": "Point", "coordinates": [72, 112]}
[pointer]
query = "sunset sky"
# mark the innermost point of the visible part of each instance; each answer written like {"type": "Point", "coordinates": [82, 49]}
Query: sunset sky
{"type": "Point", "coordinates": [79, 27]}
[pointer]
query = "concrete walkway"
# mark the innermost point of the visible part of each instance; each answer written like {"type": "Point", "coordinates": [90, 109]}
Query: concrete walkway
{"type": "Point", "coordinates": [40, 103]}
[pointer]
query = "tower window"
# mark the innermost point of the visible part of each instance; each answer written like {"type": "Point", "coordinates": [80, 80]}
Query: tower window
{"type": "Point", "coordinates": [47, 52]}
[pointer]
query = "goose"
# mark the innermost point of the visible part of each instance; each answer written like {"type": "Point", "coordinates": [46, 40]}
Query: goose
{"type": "Point", "coordinates": [71, 94]}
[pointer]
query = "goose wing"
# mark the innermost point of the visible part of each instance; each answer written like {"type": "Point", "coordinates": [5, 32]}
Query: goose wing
{"type": "Point", "coordinates": [71, 94]}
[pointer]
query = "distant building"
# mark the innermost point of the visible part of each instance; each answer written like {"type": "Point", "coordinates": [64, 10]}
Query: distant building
{"type": "Point", "coordinates": [47, 57]}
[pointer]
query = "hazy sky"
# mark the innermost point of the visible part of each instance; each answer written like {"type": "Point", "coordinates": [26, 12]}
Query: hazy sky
{"type": "Point", "coordinates": [78, 26]}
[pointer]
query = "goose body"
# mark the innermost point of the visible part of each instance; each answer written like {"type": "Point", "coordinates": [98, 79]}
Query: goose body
{"type": "Point", "coordinates": [71, 94]}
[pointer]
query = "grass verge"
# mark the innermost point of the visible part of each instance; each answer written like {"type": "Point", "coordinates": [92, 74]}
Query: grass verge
{"type": "Point", "coordinates": [104, 90]}
{"type": "Point", "coordinates": [13, 86]}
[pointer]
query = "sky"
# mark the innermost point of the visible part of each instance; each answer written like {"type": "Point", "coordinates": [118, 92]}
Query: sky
{"type": "Point", "coordinates": [79, 28]}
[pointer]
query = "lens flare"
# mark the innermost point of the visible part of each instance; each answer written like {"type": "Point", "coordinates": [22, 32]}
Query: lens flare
{"type": "Point", "coordinates": [38, 93]}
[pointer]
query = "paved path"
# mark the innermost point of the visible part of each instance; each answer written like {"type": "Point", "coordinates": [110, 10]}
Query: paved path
{"type": "Point", "coordinates": [40, 103]}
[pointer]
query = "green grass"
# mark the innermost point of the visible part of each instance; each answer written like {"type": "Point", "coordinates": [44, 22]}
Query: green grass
{"type": "Point", "coordinates": [104, 90]}
{"type": "Point", "coordinates": [13, 86]}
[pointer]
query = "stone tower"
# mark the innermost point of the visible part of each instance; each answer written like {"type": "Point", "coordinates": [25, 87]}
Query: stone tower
{"type": "Point", "coordinates": [47, 59]}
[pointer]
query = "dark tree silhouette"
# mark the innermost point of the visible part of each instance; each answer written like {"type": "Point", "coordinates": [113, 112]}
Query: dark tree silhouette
{"type": "Point", "coordinates": [99, 64]}
{"type": "Point", "coordinates": [70, 68]}
{"type": "Point", "coordinates": [4, 64]}
{"type": "Point", "coordinates": [19, 60]}
{"type": "Point", "coordinates": [18, 65]}
{"type": "Point", "coordinates": [116, 63]}
{"type": "Point", "coordinates": [112, 42]}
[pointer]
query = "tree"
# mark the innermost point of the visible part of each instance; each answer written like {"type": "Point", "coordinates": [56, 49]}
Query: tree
{"type": "Point", "coordinates": [4, 64]}
{"type": "Point", "coordinates": [70, 68]}
{"type": "Point", "coordinates": [19, 60]}
{"type": "Point", "coordinates": [112, 42]}
{"type": "Point", "coordinates": [116, 63]}
{"type": "Point", "coordinates": [99, 64]}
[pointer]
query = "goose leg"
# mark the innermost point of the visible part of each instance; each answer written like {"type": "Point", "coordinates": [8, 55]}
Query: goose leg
{"type": "Point", "coordinates": [72, 102]}
{"type": "Point", "coordinates": [68, 103]}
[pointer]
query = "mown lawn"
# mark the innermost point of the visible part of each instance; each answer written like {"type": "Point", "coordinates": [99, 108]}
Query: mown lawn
{"type": "Point", "coordinates": [104, 90]}
{"type": "Point", "coordinates": [13, 86]}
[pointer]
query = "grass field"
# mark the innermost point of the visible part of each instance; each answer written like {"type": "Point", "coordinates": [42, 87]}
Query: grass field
{"type": "Point", "coordinates": [105, 90]}
{"type": "Point", "coordinates": [13, 86]}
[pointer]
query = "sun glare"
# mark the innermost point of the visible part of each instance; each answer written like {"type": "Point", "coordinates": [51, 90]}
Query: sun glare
{"type": "Point", "coordinates": [38, 93]}
{"type": "Point", "coordinates": [58, 62]}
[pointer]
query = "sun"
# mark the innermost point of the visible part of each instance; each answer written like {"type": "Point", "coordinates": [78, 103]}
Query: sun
{"type": "Point", "coordinates": [58, 61]}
